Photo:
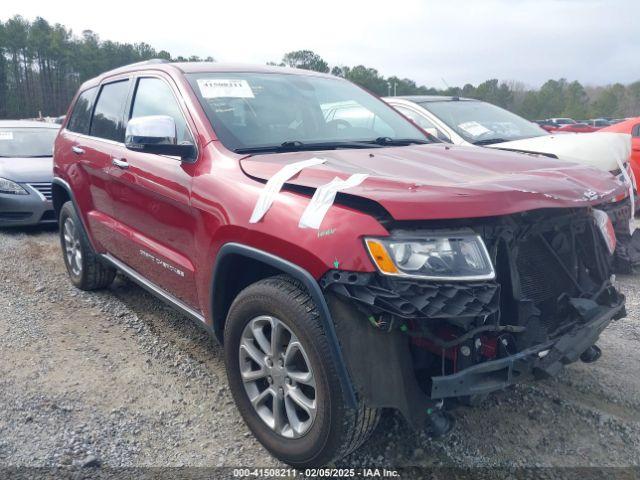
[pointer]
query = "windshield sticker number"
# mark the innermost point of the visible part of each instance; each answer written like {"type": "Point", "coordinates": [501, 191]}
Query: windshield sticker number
{"type": "Point", "coordinates": [474, 128]}
{"type": "Point", "coordinates": [6, 135]}
{"type": "Point", "coordinates": [217, 88]}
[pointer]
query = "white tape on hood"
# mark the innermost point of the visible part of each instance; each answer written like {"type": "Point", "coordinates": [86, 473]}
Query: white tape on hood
{"type": "Point", "coordinates": [324, 197]}
{"type": "Point", "coordinates": [275, 183]}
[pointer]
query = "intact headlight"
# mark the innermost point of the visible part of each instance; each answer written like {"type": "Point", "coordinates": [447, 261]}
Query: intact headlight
{"type": "Point", "coordinates": [435, 257]}
{"type": "Point", "coordinates": [7, 186]}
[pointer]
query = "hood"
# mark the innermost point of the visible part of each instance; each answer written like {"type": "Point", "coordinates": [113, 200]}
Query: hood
{"type": "Point", "coordinates": [25, 170]}
{"type": "Point", "coordinates": [603, 150]}
{"type": "Point", "coordinates": [439, 181]}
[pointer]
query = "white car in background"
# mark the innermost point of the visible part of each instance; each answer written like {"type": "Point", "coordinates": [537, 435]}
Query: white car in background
{"type": "Point", "coordinates": [465, 121]}
{"type": "Point", "coordinates": [562, 121]}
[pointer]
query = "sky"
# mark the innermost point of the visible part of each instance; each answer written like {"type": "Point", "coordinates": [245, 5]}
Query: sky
{"type": "Point", "coordinates": [435, 43]}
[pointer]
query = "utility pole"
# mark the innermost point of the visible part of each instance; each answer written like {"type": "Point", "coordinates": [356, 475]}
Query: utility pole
{"type": "Point", "coordinates": [388, 89]}
{"type": "Point", "coordinates": [395, 89]}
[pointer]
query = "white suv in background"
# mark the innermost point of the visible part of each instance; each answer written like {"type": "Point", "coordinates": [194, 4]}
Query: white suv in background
{"type": "Point", "coordinates": [465, 121]}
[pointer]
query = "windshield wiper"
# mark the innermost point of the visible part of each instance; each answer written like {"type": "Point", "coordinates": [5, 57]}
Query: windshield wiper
{"type": "Point", "coordinates": [489, 141]}
{"type": "Point", "coordinates": [298, 146]}
{"type": "Point", "coordinates": [388, 141]}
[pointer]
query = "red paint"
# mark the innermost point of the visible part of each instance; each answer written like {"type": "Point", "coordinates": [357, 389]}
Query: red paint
{"type": "Point", "coordinates": [489, 348]}
{"type": "Point", "coordinates": [438, 181]}
{"type": "Point", "coordinates": [577, 128]}
{"type": "Point", "coordinates": [181, 214]}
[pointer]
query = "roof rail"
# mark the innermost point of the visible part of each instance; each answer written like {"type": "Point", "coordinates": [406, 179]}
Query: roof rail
{"type": "Point", "coordinates": [147, 62]}
{"type": "Point", "coordinates": [153, 61]}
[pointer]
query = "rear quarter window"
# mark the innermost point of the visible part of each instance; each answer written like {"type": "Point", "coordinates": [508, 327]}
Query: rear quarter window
{"type": "Point", "coordinates": [81, 115]}
{"type": "Point", "coordinates": [108, 116]}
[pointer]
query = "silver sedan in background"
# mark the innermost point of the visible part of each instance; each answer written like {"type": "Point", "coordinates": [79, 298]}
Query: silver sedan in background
{"type": "Point", "coordinates": [26, 172]}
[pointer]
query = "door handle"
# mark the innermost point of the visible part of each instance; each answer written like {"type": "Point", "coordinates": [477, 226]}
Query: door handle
{"type": "Point", "coordinates": [120, 163]}
{"type": "Point", "coordinates": [77, 150]}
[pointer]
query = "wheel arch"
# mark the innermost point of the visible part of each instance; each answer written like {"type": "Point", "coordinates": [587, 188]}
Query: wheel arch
{"type": "Point", "coordinates": [256, 265]}
{"type": "Point", "coordinates": [61, 194]}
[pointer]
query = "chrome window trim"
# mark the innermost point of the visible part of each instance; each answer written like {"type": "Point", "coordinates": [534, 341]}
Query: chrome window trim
{"type": "Point", "coordinates": [135, 77]}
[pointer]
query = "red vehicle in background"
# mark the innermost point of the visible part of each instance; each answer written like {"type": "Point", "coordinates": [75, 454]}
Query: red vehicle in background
{"type": "Point", "coordinates": [548, 125]}
{"type": "Point", "coordinates": [577, 128]}
{"type": "Point", "coordinates": [632, 127]}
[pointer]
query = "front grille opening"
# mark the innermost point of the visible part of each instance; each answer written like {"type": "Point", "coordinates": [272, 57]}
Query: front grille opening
{"type": "Point", "coordinates": [558, 264]}
{"type": "Point", "coordinates": [542, 278]}
{"type": "Point", "coordinates": [44, 188]}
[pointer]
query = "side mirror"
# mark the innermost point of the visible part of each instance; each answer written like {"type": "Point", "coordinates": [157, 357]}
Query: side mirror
{"type": "Point", "coordinates": [156, 134]}
{"type": "Point", "coordinates": [435, 132]}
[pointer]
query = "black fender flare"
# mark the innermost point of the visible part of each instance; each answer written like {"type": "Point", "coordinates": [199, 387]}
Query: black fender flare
{"type": "Point", "coordinates": [65, 186]}
{"type": "Point", "coordinates": [312, 286]}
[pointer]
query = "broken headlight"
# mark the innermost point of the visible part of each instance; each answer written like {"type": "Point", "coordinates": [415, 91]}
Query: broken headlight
{"type": "Point", "coordinates": [434, 257]}
{"type": "Point", "coordinates": [7, 186]}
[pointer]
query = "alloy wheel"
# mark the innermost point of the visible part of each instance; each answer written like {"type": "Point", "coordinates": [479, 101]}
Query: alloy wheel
{"type": "Point", "coordinates": [72, 246]}
{"type": "Point", "coordinates": [277, 376]}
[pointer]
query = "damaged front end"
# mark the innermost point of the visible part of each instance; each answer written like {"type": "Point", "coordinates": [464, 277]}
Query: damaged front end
{"type": "Point", "coordinates": [627, 254]}
{"type": "Point", "coordinates": [410, 341]}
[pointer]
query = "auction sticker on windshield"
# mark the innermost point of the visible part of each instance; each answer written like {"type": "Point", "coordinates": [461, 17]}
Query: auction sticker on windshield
{"type": "Point", "coordinates": [474, 128]}
{"type": "Point", "coordinates": [229, 88]}
{"type": "Point", "coordinates": [6, 135]}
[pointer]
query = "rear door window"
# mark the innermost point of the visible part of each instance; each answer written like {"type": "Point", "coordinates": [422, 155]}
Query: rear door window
{"type": "Point", "coordinates": [422, 122]}
{"type": "Point", "coordinates": [351, 114]}
{"type": "Point", "coordinates": [417, 118]}
{"type": "Point", "coordinates": [636, 131]}
{"type": "Point", "coordinates": [108, 116]}
{"type": "Point", "coordinates": [81, 115]}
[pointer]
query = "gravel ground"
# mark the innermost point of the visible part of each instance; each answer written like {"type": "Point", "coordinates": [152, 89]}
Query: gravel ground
{"type": "Point", "coordinates": [116, 378]}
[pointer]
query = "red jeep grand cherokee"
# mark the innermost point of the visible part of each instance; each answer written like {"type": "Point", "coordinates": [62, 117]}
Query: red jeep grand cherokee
{"type": "Point", "coordinates": [348, 262]}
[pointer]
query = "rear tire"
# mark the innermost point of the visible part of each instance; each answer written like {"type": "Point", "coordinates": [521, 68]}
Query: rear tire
{"type": "Point", "coordinates": [85, 269]}
{"type": "Point", "coordinates": [335, 430]}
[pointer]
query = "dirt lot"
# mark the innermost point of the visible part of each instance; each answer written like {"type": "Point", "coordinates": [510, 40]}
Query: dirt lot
{"type": "Point", "coordinates": [119, 379]}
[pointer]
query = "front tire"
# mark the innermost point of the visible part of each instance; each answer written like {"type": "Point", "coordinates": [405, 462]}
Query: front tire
{"type": "Point", "coordinates": [284, 378]}
{"type": "Point", "coordinates": [85, 269]}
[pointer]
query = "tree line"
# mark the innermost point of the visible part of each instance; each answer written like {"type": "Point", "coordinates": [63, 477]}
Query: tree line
{"type": "Point", "coordinates": [42, 65]}
{"type": "Point", "coordinates": [555, 98]}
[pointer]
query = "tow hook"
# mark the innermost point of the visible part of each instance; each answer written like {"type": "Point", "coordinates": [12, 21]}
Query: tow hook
{"type": "Point", "coordinates": [591, 354]}
{"type": "Point", "coordinates": [439, 423]}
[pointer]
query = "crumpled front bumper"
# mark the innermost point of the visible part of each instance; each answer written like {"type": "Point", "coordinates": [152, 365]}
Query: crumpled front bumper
{"type": "Point", "coordinates": [542, 361]}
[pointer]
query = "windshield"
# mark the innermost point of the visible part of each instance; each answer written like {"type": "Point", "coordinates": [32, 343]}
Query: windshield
{"type": "Point", "coordinates": [27, 142]}
{"type": "Point", "coordinates": [480, 122]}
{"type": "Point", "coordinates": [271, 110]}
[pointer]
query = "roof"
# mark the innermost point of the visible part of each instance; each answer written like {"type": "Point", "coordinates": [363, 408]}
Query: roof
{"type": "Point", "coordinates": [27, 124]}
{"type": "Point", "coordinates": [432, 98]}
{"type": "Point", "coordinates": [201, 67]}
{"type": "Point", "coordinates": [211, 67]}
